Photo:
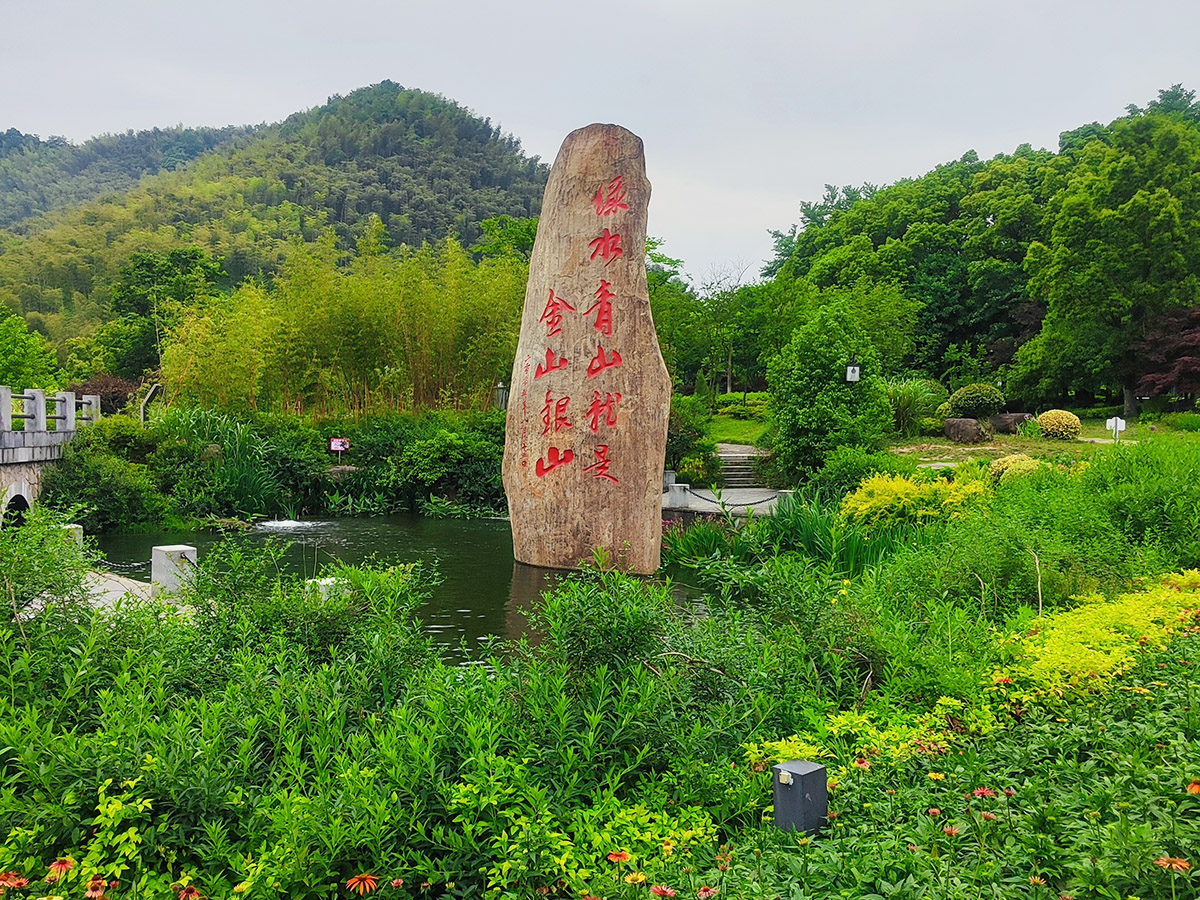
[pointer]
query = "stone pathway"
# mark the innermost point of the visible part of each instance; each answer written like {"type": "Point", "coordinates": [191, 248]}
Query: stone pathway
{"type": "Point", "coordinates": [106, 588]}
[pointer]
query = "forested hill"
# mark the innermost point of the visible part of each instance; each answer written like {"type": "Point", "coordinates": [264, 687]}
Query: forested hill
{"type": "Point", "coordinates": [421, 163]}
{"type": "Point", "coordinates": [39, 176]}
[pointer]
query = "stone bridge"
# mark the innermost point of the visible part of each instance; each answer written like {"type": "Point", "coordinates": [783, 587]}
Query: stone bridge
{"type": "Point", "coordinates": [47, 423]}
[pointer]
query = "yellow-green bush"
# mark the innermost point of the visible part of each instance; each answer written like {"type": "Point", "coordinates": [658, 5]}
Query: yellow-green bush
{"type": "Point", "coordinates": [1010, 468]}
{"type": "Point", "coordinates": [1060, 424]}
{"type": "Point", "coordinates": [1100, 638]}
{"type": "Point", "coordinates": [884, 500]}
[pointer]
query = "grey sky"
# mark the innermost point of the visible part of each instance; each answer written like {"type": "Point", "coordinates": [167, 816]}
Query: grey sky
{"type": "Point", "coordinates": [745, 108]}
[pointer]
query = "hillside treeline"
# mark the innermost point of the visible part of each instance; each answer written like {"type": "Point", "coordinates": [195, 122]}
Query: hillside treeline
{"type": "Point", "coordinates": [419, 163]}
{"type": "Point", "coordinates": [1069, 273]}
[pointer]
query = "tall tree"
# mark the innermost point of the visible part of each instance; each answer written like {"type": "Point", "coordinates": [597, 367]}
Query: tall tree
{"type": "Point", "coordinates": [1124, 249]}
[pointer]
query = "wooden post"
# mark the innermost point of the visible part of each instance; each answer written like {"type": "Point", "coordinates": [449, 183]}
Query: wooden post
{"type": "Point", "coordinates": [590, 395]}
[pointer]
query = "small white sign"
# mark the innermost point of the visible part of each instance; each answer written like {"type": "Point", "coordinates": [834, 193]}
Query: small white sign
{"type": "Point", "coordinates": [852, 373]}
{"type": "Point", "coordinates": [1116, 425]}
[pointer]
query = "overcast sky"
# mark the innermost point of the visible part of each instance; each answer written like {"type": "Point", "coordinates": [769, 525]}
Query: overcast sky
{"type": "Point", "coordinates": [746, 107]}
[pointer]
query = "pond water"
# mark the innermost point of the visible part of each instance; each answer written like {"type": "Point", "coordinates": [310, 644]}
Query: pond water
{"type": "Point", "coordinates": [482, 591]}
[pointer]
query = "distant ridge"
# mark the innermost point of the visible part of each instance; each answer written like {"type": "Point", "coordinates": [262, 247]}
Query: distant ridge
{"type": "Point", "coordinates": [423, 164]}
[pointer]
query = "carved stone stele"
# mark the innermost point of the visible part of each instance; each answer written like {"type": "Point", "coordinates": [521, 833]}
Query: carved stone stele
{"type": "Point", "coordinates": [589, 396]}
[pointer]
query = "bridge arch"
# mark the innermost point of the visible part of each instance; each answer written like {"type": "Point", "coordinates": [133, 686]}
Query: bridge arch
{"type": "Point", "coordinates": [13, 510]}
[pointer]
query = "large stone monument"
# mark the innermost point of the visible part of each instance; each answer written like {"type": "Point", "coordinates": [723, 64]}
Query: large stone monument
{"type": "Point", "coordinates": [590, 395]}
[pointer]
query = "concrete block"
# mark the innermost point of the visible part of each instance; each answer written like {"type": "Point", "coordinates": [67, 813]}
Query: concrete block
{"type": "Point", "coordinates": [801, 792]}
{"type": "Point", "coordinates": [171, 566]}
{"type": "Point", "coordinates": [668, 478]}
{"type": "Point", "coordinates": [76, 532]}
{"type": "Point", "coordinates": [677, 496]}
{"type": "Point", "coordinates": [5, 408]}
{"type": "Point", "coordinates": [92, 404]}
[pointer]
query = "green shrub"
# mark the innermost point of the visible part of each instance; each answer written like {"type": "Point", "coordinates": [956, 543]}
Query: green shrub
{"type": "Point", "coordinates": [846, 467]}
{"type": "Point", "coordinates": [885, 501]}
{"type": "Point", "coordinates": [975, 401]}
{"type": "Point", "coordinates": [1017, 465]}
{"type": "Point", "coordinates": [932, 427]}
{"type": "Point", "coordinates": [1059, 425]}
{"type": "Point", "coordinates": [685, 429]}
{"type": "Point", "coordinates": [912, 400]}
{"type": "Point", "coordinates": [943, 411]}
{"type": "Point", "coordinates": [1187, 421]}
{"type": "Point", "coordinates": [114, 494]}
{"type": "Point", "coordinates": [814, 408]}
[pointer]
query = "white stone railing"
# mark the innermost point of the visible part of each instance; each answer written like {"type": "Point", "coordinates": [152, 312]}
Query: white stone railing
{"type": "Point", "coordinates": [69, 411]}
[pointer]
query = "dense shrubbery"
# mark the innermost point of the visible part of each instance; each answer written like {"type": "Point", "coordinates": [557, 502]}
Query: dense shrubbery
{"type": "Point", "coordinates": [193, 464]}
{"type": "Point", "coordinates": [1059, 425]}
{"type": "Point", "coordinates": [275, 742]}
{"type": "Point", "coordinates": [975, 401]}
{"type": "Point", "coordinates": [814, 407]}
{"type": "Point", "coordinates": [846, 467]}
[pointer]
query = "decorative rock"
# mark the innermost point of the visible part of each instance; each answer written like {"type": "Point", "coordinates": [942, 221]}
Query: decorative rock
{"type": "Point", "coordinates": [590, 396]}
{"type": "Point", "coordinates": [965, 431]}
{"type": "Point", "coordinates": [1008, 423]}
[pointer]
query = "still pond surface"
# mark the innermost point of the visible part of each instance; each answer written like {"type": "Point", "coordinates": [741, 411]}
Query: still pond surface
{"type": "Point", "coordinates": [482, 591]}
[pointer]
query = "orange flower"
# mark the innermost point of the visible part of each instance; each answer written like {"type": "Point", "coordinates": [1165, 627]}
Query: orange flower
{"type": "Point", "coordinates": [1174, 863]}
{"type": "Point", "coordinates": [706, 893]}
{"type": "Point", "coordinates": [618, 856]}
{"type": "Point", "coordinates": [95, 889]}
{"type": "Point", "coordinates": [661, 890]}
{"type": "Point", "coordinates": [951, 830]}
{"type": "Point", "coordinates": [934, 811]}
{"type": "Point", "coordinates": [862, 763]}
{"type": "Point", "coordinates": [363, 883]}
{"type": "Point", "coordinates": [397, 882]}
{"type": "Point", "coordinates": [58, 869]}
{"type": "Point", "coordinates": [983, 792]}
{"type": "Point", "coordinates": [1037, 880]}
{"type": "Point", "coordinates": [13, 880]}
{"type": "Point", "coordinates": [1194, 787]}
{"type": "Point", "coordinates": [988, 817]}
{"type": "Point", "coordinates": [189, 893]}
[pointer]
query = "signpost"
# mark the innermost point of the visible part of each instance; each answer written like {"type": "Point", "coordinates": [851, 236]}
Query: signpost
{"type": "Point", "coordinates": [338, 445]}
{"type": "Point", "coordinates": [1116, 425]}
{"type": "Point", "coordinates": [590, 395]}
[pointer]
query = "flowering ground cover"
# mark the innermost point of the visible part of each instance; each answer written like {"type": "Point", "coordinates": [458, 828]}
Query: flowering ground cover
{"type": "Point", "coordinates": [1003, 695]}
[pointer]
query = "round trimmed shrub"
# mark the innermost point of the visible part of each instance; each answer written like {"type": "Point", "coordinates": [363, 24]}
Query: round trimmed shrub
{"type": "Point", "coordinates": [943, 411]}
{"type": "Point", "coordinates": [975, 401]}
{"type": "Point", "coordinates": [1060, 425]}
{"type": "Point", "coordinates": [1009, 468]}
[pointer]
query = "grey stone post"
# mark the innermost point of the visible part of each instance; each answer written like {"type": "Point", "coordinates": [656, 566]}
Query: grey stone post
{"type": "Point", "coordinates": [677, 496]}
{"type": "Point", "coordinates": [170, 566]}
{"type": "Point", "coordinates": [65, 420]}
{"type": "Point", "coordinates": [35, 410]}
{"type": "Point", "coordinates": [5, 408]}
{"type": "Point", "coordinates": [93, 407]}
{"type": "Point", "coordinates": [76, 532]}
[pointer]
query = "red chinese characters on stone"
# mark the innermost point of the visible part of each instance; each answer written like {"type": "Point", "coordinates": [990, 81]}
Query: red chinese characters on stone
{"type": "Point", "coordinates": [600, 362]}
{"type": "Point", "coordinates": [606, 408]}
{"type": "Point", "coordinates": [553, 461]}
{"type": "Point", "coordinates": [552, 364]}
{"type": "Point", "coordinates": [610, 197]}
{"type": "Point", "coordinates": [607, 247]}
{"type": "Point", "coordinates": [553, 314]}
{"type": "Point", "coordinates": [599, 468]}
{"type": "Point", "coordinates": [603, 308]}
{"type": "Point", "coordinates": [554, 415]}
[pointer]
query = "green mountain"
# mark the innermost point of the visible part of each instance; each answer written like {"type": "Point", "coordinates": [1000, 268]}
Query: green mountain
{"type": "Point", "coordinates": [421, 163]}
{"type": "Point", "coordinates": [39, 176]}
